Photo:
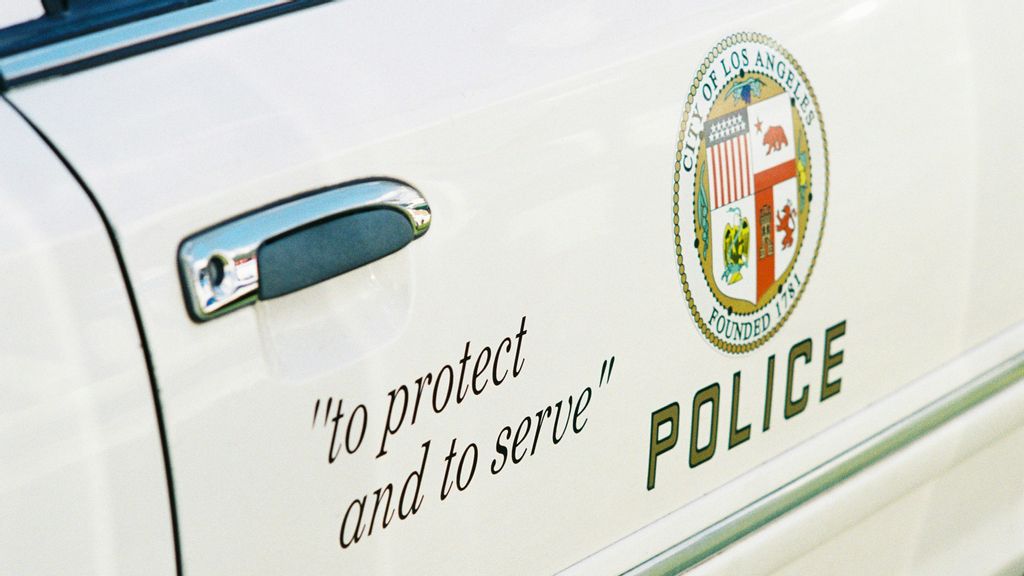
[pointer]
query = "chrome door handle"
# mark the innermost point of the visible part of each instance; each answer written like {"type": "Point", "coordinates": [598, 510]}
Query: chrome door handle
{"type": "Point", "coordinates": [287, 246]}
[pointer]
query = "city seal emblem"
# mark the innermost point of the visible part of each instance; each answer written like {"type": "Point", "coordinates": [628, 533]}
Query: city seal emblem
{"type": "Point", "coordinates": [751, 191]}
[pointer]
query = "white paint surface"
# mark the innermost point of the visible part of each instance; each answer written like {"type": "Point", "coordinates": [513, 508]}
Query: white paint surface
{"type": "Point", "coordinates": [82, 485]}
{"type": "Point", "coordinates": [543, 136]}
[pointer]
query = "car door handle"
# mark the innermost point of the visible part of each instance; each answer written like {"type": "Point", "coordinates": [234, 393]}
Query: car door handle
{"type": "Point", "coordinates": [290, 245]}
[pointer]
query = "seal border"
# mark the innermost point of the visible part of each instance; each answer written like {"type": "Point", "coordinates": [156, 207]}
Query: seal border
{"type": "Point", "coordinates": [720, 47]}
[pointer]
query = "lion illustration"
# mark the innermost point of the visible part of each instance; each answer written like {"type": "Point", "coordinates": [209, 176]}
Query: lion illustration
{"type": "Point", "coordinates": [786, 217]}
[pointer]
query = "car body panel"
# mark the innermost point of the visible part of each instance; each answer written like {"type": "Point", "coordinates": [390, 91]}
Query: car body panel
{"type": "Point", "coordinates": [543, 138]}
{"type": "Point", "coordinates": [82, 481]}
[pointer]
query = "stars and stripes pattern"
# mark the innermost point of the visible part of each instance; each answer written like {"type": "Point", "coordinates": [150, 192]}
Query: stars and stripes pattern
{"type": "Point", "coordinates": [729, 171]}
{"type": "Point", "coordinates": [730, 176]}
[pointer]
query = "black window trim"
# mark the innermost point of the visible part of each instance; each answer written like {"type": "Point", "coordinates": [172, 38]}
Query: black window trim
{"type": "Point", "coordinates": [135, 37]}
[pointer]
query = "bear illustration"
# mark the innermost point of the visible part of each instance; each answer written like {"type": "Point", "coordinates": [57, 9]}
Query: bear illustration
{"type": "Point", "coordinates": [775, 139]}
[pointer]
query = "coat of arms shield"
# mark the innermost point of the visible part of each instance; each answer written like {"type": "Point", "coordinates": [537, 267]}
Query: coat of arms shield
{"type": "Point", "coordinates": [752, 184]}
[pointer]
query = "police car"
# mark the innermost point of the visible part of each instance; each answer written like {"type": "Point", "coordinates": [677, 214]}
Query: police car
{"type": "Point", "coordinates": [353, 287]}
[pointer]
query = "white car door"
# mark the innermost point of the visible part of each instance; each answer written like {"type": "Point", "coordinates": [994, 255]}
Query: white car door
{"type": "Point", "coordinates": [542, 379]}
{"type": "Point", "coordinates": [83, 488]}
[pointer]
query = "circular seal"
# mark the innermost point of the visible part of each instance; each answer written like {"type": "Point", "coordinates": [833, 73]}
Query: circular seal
{"type": "Point", "coordinates": [751, 191]}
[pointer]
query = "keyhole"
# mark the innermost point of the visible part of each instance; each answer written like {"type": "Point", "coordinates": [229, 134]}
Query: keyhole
{"type": "Point", "coordinates": [215, 271]}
